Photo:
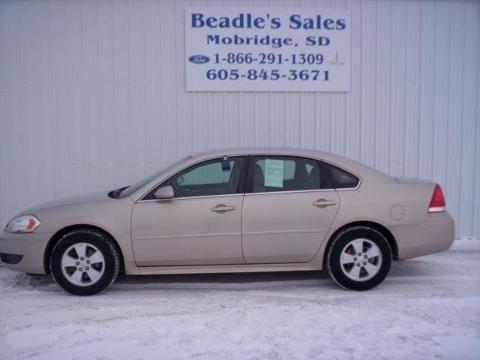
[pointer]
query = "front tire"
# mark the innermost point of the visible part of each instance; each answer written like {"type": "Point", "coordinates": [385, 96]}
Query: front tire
{"type": "Point", "coordinates": [85, 262]}
{"type": "Point", "coordinates": [359, 258]}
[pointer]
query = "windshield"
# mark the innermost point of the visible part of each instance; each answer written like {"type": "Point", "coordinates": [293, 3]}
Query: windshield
{"type": "Point", "coordinates": [127, 191]}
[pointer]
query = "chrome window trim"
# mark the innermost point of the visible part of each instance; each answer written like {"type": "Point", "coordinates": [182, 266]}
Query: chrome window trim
{"type": "Point", "coordinates": [191, 197]}
{"type": "Point", "coordinates": [289, 192]}
{"type": "Point", "coordinates": [141, 198]}
{"type": "Point", "coordinates": [315, 159]}
{"type": "Point", "coordinates": [241, 194]}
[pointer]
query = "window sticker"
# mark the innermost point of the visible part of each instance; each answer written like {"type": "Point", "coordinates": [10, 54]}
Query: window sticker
{"type": "Point", "coordinates": [274, 173]}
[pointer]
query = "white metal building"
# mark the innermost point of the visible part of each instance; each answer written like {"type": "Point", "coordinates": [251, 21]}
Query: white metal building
{"type": "Point", "coordinates": [92, 97]}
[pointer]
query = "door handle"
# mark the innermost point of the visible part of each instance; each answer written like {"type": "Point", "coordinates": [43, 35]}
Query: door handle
{"type": "Point", "coordinates": [324, 203]}
{"type": "Point", "coordinates": [221, 208]}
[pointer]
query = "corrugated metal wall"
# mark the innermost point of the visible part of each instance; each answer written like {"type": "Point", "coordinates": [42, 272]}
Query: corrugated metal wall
{"type": "Point", "coordinates": [92, 97]}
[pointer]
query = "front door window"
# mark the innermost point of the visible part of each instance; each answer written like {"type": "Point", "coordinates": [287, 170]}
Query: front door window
{"type": "Point", "coordinates": [213, 177]}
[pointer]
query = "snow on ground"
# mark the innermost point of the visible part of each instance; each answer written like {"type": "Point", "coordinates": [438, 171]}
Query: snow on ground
{"type": "Point", "coordinates": [428, 308]}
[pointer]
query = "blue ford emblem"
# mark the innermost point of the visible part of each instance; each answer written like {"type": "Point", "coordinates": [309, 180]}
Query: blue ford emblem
{"type": "Point", "coordinates": [198, 59]}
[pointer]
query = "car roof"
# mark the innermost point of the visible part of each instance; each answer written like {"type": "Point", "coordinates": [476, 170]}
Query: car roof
{"type": "Point", "coordinates": [364, 172]}
{"type": "Point", "coordinates": [259, 151]}
{"type": "Point", "coordinates": [353, 166]}
{"type": "Point", "coordinates": [270, 151]}
{"type": "Point", "coordinates": [338, 160]}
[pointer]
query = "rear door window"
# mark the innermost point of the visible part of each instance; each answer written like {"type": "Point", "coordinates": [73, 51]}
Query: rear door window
{"type": "Point", "coordinates": [286, 173]}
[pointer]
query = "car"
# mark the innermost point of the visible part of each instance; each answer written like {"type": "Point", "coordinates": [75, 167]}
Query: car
{"type": "Point", "coordinates": [241, 210]}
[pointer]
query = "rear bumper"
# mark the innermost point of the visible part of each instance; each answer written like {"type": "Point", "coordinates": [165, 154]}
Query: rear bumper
{"type": "Point", "coordinates": [435, 234]}
{"type": "Point", "coordinates": [24, 252]}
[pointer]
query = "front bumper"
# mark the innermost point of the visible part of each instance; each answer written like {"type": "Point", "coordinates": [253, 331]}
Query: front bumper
{"type": "Point", "coordinates": [435, 234]}
{"type": "Point", "coordinates": [24, 252]}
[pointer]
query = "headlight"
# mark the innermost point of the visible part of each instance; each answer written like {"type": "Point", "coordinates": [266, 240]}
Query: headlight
{"type": "Point", "coordinates": [23, 224]}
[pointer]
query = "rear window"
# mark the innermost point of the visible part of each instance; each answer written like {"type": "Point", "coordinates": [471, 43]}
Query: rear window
{"type": "Point", "coordinates": [342, 179]}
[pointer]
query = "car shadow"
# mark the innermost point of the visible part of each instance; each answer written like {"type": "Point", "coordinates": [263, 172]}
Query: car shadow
{"type": "Point", "coordinates": [224, 278]}
{"type": "Point", "coordinates": [411, 268]}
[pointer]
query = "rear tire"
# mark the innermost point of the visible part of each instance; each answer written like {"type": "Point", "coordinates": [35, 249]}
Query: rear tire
{"type": "Point", "coordinates": [359, 258]}
{"type": "Point", "coordinates": [85, 262]}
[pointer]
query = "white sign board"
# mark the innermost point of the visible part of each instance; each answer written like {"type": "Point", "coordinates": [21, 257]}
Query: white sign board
{"type": "Point", "coordinates": [267, 49]}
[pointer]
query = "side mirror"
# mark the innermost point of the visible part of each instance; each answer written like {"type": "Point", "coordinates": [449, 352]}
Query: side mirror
{"type": "Point", "coordinates": [164, 193]}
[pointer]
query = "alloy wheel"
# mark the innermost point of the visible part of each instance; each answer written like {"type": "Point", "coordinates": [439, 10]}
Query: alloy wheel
{"type": "Point", "coordinates": [83, 264]}
{"type": "Point", "coordinates": [360, 259]}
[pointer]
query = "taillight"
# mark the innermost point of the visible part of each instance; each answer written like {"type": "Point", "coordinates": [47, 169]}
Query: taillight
{"type": "Point", "coordinates": [437, 204]}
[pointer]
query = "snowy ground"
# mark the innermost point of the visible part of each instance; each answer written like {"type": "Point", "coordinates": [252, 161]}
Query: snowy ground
{"type": "Point", "coordinates": [428, 308]}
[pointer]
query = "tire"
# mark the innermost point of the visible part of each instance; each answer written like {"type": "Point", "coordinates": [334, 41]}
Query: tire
{"type": "Point", "coordinates": [359, 258]}
{"type": "Point", "coordinates": [84, 262]}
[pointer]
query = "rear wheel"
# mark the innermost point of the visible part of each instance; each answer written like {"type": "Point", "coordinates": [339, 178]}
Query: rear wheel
{"type": "Point", "coordinates": [84, 262]}
{"type": "Point", "coordinates": [359, 258]}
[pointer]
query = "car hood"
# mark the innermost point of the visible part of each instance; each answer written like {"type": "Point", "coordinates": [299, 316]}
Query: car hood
{"type": "Point", "coordinates": [73, 200]}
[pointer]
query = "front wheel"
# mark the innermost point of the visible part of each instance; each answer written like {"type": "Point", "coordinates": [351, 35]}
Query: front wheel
{"type": "Point", "coordinates": [84, 262]}
{"type": "Point", "coordinates": [359, 258]}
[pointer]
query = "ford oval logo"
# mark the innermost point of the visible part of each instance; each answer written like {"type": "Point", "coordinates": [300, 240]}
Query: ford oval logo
{"type": "Point", "coordinates": [198, 59]}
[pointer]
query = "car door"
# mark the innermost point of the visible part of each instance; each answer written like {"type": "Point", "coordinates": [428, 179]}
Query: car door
{"type": "Point", "coordinates": [287, 211]}
{"type": "Point", "coordinates": [201, 225]}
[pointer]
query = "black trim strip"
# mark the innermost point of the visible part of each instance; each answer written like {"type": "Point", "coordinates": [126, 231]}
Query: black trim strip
{"type": "Point", "coordinates": [11, 259]}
